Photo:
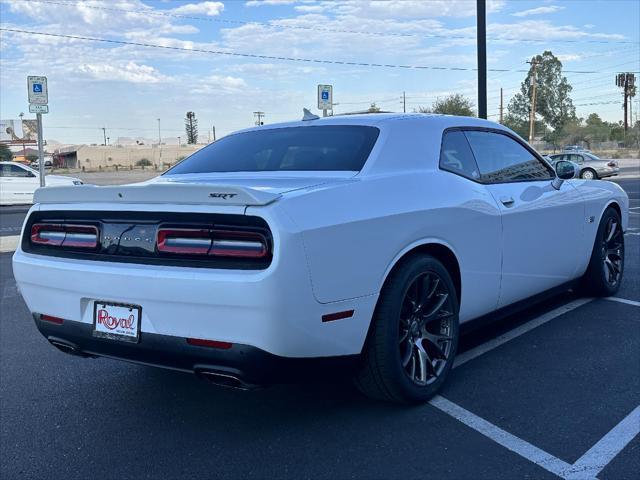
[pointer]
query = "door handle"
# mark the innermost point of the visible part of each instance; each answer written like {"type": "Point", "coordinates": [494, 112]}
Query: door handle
{"type": "Point", "coordinates": [507, 201]}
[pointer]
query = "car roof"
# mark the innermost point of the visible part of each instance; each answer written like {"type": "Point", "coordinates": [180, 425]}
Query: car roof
{"type": "Point", "coordinates": [382, 120]}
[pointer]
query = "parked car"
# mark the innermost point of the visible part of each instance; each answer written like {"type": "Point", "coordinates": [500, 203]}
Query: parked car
{"type": "Point", "coordinates": [364, 238]}
{"type": "Point", "coordinates": [591, 167]}
{"type": "Point", "coordinates": [48, 163]}
{"type": "Point", "coordinates": [18, 183]}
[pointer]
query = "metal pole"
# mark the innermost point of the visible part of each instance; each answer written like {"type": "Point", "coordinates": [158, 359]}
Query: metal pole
{"type": "Point", "coordinates": [482, 57]}
{"type": "Point", "coordinates": [404, 102]}
{"type": "Point", "coordinates": [104, 134]}
{"type": "Point", "coordinates": [40, 149]}
{"type": "Point", "coordinates": [501, 105]}
{"type": "Point", "coordinates": [213, 127]}
{"type": "Point", "coordinates": [159, 137]}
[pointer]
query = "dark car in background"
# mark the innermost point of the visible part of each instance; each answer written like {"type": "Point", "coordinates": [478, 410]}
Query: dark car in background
{"type": "Point", "coordinates": [591, 166]}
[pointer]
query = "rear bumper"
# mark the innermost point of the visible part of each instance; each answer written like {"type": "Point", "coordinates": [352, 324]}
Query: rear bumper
{"type": "Point", "coordinates": [242, 365]}
{"type": "Point", "coordinates": [273, 310]}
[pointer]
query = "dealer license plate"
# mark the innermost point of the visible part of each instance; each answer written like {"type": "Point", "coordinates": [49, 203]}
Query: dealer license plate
{"type": "Point", "coordinates": [116, 321]}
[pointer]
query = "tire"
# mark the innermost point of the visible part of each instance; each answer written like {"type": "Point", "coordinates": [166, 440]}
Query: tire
{"type": "Point", "coordinates": [606, 266]}
{"type": "Point", "coordinates": [411, 345]}
{"type": "Point", "coordinates": [589, 174]}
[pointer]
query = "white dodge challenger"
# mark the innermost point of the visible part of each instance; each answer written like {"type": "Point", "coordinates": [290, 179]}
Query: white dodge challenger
{"type": "Point", "coordinates": [367, 239]}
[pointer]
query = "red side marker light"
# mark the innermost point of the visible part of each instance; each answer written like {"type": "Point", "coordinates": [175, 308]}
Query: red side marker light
{"type": "Point", "coordinates": [198, 342]}
{"type": "Point", "coordinates": [330, 317]}
{"type": "Point", "coordinates": [49, 318]}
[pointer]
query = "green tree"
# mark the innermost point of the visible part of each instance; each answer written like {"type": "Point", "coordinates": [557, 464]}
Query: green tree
{"type": "Point", "coordinates": [191, 128]}
{"type": "Point", "coordinates": [455, 104]}
{"type": "Point", "coordinates": [553, 103]}
{"type": "Point", "coordinates": [5, 153]}
{"type": "Point", "coordinates": [374, 108]}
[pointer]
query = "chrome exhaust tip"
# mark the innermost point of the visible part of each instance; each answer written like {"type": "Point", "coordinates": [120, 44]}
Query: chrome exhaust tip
{"type": "Point", "coordinates": [224, 379]}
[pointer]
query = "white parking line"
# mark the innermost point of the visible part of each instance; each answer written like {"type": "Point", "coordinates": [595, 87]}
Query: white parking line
{"type": "Point", "coordinates": [463, 358]}
{"type": "Point", "coordinates": [502, 437]}
{"type": "Point", "coordinates": [623, 300]}
{"type": "Point", "coordinates": [9, 243]}
{"type": "Point", "coordinates": [599, 456]}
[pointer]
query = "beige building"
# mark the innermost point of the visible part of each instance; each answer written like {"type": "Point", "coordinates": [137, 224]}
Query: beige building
{"type": "Point", "coordinates": [97, 157]}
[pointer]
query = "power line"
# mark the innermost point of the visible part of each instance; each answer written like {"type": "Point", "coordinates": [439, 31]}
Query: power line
{"type": "Point", "coordinates": [273, 57]}
{"type": "Point", "coordinates": [332, 30]}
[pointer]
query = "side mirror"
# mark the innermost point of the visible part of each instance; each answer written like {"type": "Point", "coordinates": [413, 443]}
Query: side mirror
{"type": "Point", "coordinates": [565, 170]}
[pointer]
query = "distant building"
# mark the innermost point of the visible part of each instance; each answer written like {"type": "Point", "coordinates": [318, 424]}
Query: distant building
{"type": "Point", "coordinates": [95, 157]}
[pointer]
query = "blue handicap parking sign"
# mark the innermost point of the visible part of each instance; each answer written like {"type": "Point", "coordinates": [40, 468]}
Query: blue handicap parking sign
{"type": "Point", "coordinates": [325, 95]}
{"type": "Point", "coordinates": [37, 88]}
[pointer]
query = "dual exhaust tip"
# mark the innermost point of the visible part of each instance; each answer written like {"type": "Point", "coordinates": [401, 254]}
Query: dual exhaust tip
{"type": "Point", "coordinates": [225, 379]}
{"type": "Point", "coordinates": [222, 379]}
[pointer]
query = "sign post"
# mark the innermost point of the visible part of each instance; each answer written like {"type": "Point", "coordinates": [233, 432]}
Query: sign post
{"type": "Point", "coordinates": [38, 104]}
{"type": "Point", "coordinates": [325, 98]}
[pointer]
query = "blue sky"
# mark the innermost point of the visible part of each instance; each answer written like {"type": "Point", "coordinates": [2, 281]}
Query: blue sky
{"type": "Point", "coordinates": [127, 87]}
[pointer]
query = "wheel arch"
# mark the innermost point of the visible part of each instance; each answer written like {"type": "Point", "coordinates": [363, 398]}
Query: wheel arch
{"type": "Point", "coordinates": [584, 169]}
{"type": "Point", "coordinates": [437, 249]}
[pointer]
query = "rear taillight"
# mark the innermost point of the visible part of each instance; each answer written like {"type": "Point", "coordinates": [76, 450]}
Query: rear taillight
{"type": "Point", "coordinates": [64, 235]}
{"type": "Point", "coordinates": [612, 164]}
{"type": "Point", "coordinates": [212, 242]}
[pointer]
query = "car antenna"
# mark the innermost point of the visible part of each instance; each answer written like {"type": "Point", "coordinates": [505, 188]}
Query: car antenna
{"type": "Point", "coordinates": [307, 115]}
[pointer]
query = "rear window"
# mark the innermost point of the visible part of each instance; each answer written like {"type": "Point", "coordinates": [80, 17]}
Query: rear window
{"type": "Point", "coordinates": [324, 148]}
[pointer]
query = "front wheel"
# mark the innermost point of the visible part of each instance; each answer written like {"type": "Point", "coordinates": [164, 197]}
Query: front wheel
{"type": "Point", "coordinates": [414, 334]}
{"type": "Point", "coordinates": [606, 265]}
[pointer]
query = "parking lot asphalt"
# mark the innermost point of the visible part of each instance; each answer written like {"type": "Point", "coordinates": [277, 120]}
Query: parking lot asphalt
{"type": "Point", "coordinates": [553, 391]}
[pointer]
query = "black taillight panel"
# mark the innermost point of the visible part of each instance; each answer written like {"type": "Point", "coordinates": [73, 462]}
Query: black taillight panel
{"type": "Point", "coordinates": [159, 238]}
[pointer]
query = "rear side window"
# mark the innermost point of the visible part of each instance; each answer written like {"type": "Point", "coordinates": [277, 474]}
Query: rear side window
{"type": "Point", "coordinates": [456, 155]}
{"type": "Point", "coordinates": [321, 148]}
{"type": "Point", "coordinates": [502, 159]}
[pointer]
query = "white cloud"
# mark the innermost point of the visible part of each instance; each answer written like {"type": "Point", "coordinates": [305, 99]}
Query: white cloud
{"type": "Point", "coordinates": [210, 9]}
{"type": "Point", "coordinates": [260, 3]}
{"type": "Point", "coordinates": [223, 83]}
{"type": "Point", "coordinates": [128, 72]}
{"type": "Point", "coordinates": [570, 57]}
{"type": "Point", "coordinates": [538, 11]}
{"type": "Point", "coordinates": [310, 8]}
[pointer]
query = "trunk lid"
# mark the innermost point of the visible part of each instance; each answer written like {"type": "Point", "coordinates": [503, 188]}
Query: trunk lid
{"type": "Point", "coordinates": [239, 189]}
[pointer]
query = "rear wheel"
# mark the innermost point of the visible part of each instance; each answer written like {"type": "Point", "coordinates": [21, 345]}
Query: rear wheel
{"type": "Point", "coordinates": [414, 334]}
{"type": "Point", "coordinates": [606, 266]}
{"type": "Point", "coordinates": [589, 174]}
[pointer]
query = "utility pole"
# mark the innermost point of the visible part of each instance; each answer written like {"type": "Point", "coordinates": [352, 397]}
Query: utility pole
{"type": "Point", "coordinates": [532, 112]}
{"type": "Point", "coordinates": [501, 105]}
{"type": "Point", "coordinates": [159, 136]}
{"type": "Point", "coordinates": [627, 82]}
{"type": "Point", "coordinates": [259, 116]}
{"type": "Point", "coordinates": [213, 128]}
{"type": "Point", "coordinates": [104, 134]}
{"type": "Point", "coordinates": [481, 7]}
{"type": "Point", "coordinates": [404, 102]}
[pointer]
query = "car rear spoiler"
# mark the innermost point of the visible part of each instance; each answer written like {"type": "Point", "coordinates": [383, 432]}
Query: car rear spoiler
{"type": "Point", "coordinates": [172, 193]}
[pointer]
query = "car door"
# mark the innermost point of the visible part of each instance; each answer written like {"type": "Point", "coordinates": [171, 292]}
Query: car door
{"type": "Point", "coordinates": [540, 225]}
{"type": "Point", "coordinates": [21, 183]}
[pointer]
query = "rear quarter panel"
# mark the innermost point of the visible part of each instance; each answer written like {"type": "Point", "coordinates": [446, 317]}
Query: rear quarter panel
{"type": "Point", "coordinates": [354, 233]}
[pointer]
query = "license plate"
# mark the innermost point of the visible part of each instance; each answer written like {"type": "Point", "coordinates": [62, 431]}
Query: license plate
{"type": "Point", "coordinates": [116, 321]}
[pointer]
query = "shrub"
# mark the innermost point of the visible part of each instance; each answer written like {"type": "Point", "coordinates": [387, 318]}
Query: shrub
{"type": "Point", "coordinates": [143, 162]}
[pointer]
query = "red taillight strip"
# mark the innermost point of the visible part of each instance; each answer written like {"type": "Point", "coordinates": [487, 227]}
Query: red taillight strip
{"type": "Point", "coordinates": [183, 240]}
{"type": "Point", "coordinates": [199, 342]}
{"type": "Point", "coordinates": [51, 319]}
{"type": "Point", "coordinates": [219, 243]}
{"type": "Point", "coordinates": [330, 317]}
{"type": "Point", "coordinates": [64, 235]}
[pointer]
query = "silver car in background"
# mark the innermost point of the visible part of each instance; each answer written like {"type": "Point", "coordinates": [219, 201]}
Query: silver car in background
{"type": "Point", "coordinates": [591, 167]}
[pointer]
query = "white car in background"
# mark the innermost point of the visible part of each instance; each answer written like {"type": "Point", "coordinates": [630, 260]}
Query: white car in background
{"type": "Point", "coordinates": [18, 183]}
{"type": "Point", "coordinates": [368, 238]}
